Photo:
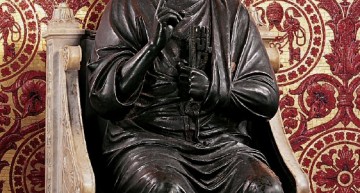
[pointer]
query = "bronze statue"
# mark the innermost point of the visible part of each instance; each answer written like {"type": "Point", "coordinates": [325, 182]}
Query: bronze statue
{"type": "Point", "coordinates": [181, 83]}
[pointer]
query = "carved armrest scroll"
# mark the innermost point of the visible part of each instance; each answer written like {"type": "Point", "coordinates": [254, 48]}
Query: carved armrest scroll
{"type": "Point", "coordinates": [72, 56]}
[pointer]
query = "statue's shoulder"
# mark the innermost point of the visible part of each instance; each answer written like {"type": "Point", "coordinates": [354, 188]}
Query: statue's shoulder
{"type": "Point", "coordinates": [236, 7]}
{"type": "Point", "coordinates": [234, 3]}
{"type": "Point", "coordinates": [119, 3]}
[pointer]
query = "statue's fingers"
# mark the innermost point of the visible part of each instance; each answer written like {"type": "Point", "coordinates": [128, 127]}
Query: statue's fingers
{"type": "Point", "coordinates": [184, 70]}
{"type": "Point", "coordinates": [162, 11]}
{"type": "Point", "coordinates": [193, 80]}
{"type": "Point", "coordinates": [195, 93]}
{"type": "Point", "coordinates": [169, 17]}
{"type": "Point", "coordinates": [182, 62]}
{"type": "Point", "coordinates": [165, 10]}
{"type": "Point", "coordinates": [198, 76]}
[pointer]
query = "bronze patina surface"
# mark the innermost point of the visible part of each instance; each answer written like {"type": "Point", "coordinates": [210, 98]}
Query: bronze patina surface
{"type": "Point", "coordinates": [181, 83]}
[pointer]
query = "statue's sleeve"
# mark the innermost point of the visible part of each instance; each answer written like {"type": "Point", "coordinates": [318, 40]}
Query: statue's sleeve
{"type": "Point", "coordinates": [117, 40]}
{"type": "Point", "coordinates": [253, 87]}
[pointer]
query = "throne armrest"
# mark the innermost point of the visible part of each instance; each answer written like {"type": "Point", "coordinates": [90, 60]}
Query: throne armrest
{"type": "Point", "coordinates": [285, 151]}
{"type": "Point", "coordinates": [287, 166]}
{"type": "Point", "coordinates": [68, 168]}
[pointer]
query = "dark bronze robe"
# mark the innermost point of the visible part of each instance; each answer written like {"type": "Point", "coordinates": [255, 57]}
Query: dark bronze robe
{"type": "Point", "coordinates": [147, 146]}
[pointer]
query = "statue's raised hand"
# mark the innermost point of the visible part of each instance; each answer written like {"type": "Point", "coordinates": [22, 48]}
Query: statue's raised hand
{"type": "Point", "coordinates": [166, 20]}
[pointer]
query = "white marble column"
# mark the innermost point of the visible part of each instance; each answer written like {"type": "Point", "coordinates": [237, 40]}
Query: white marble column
{"type": "Point", "coordinates": [68, 168]}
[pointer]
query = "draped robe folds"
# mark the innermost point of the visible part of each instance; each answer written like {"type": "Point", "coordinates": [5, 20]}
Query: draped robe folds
{"type": "Point", "coordinates": [146, 142]}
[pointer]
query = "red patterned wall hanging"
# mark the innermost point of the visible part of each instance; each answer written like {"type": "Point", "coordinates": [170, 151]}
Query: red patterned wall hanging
{"type": "Point", "coordinates": [319, 78]}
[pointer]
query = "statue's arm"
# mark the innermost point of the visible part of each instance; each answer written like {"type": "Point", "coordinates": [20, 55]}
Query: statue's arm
{"type": "Point", "coordinates": [255, 95]}
{"type": "Point", "coordinates": [253, 87]}
{"type": "Point", "coordinates": [252, 91]}
{"type": "Point", "coordinates": [132, 72]}
{"type": "Point", "coordinates": [119, 71]}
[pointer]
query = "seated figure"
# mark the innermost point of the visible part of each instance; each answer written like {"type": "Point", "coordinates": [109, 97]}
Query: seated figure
{"type": "Point", "coordinates": [181, 83]}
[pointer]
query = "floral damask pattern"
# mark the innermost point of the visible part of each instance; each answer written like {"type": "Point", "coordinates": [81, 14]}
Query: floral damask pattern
{"type": "Point", "coordinates": [9, 28]}
{"type": "Point", "coordinates": [301, 39]}
{"type": "Point", "coordinates": [5, 110]}
{"type": "Point", "coordinates": [339, 172]}
{"type": "Point", "coordinates": [332, 161]}
{"type": "Point", "coordinates": [357, 100]}
{"type": "Point", "coordinates": [33, 97]}
{"type": "Point", "coordinates": [319, 82]}
{"type": "Point", "coordinates": [321, 100]}
{"type": "Point", "coordinates": [19, 35]}
{"type": "Point", "coordinates": [320, 88]}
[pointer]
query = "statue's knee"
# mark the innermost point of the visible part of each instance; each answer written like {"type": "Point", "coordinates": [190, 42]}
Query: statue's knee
{"type": "Point", "coordinates": [274, 188]}
{"type": "Point", "coordinates": [167, 186]}
{"type": "Point", "coordinates": [265, 185]}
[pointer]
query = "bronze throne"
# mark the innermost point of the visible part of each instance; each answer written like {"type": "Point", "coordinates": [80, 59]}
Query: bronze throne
{"type": "Point", "coordinates": [73, 146]}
